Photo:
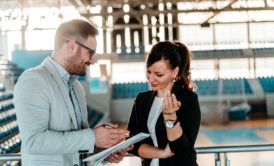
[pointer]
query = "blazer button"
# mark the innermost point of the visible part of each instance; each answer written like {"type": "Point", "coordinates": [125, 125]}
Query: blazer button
{"type": "Point", "coordinates": [75, 165]}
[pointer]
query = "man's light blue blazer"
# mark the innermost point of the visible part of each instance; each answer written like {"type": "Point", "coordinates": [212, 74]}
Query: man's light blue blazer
{"type": "Point", "coordinates": [46, 119]}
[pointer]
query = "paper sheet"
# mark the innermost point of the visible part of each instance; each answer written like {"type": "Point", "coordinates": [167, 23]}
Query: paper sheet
{"type": "Point", "coordinates": [99, 157]}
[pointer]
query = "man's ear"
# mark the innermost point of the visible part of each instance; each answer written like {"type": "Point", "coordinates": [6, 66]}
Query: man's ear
{"type": "Point", "coordinates": [71, 46]}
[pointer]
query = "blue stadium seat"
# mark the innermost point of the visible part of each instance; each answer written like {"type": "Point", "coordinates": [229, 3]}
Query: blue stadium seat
{"type": "Point", "coordinates": [263, 51]}
{"type": "Point", "coordinates": [267, 84]}
{"type": "Point", "coordinates": [207, 87]}
{"type": "Point", "coordinates": [230, 87]}
{"type": "Point", "coordinates": [128, 90]}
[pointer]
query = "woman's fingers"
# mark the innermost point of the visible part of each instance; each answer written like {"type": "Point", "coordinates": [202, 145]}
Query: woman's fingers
{"type": "Point", "coordinates": [170, 104]}
{"type": "Point", "coordinates": [179, 104]}
{"type": "Point", "coordinates": [174, 101]}
{"type": "Point", "coordinates": [169, 98]}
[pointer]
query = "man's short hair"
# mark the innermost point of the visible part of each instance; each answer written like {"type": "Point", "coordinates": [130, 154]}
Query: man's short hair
{"type": "Point", "coordinates": [76, 28]}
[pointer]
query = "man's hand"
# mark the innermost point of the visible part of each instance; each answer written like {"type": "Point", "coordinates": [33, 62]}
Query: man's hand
{"type": "Point", "coordinates": [119, 155]}
{"type": "Point", "coordinates": [109, 136]}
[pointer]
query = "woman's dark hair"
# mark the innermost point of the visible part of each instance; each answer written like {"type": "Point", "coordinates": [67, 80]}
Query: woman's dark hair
{"type": "Point", "coordinates": [177, 54]}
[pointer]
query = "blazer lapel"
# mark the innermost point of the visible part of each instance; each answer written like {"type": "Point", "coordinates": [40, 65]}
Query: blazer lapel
{"type": "Point", "coordinates": [82, 102]}
{"type": "Point", "coordinates": [62, 89]}
{"type": "Point", "coordinates": [149, 104]}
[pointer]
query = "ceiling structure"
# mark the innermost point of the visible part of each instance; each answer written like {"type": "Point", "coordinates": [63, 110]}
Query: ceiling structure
{"type": "Point", "coordinates": [202, 13]}
{"type": "Point", "coordinates": [210, 8]}
{"type": "Point", "coordinates": [13, 4]}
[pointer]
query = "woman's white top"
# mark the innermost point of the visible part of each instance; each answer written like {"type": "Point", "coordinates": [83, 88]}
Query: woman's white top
{"type": "Point", "coordinates": [153, 116]}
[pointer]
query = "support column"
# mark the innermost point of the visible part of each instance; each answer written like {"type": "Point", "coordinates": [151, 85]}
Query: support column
{"type": "Point", "coordinates": [104, 28]}
{"type": "Point", "coordinates": [3, 45]}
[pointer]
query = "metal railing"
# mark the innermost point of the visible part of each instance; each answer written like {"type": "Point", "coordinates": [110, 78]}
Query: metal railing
{"type": "Point", "coordinates": [218, 150]}
{"type": "Point", "coordinates": [10, 157]}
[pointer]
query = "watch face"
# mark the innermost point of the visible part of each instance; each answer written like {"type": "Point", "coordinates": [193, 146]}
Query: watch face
{"type": "Point", "coordinates": [170, 123]}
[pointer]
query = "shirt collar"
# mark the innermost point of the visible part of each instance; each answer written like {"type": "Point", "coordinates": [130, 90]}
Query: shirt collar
{"type": "Point", "coordinates": [66, 77]}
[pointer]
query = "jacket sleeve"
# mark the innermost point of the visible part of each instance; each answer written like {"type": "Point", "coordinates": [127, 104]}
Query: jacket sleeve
{"type": "Point", "coordinates": [32, 104]}
{"type": "Point", "coordinates": [190, 123]}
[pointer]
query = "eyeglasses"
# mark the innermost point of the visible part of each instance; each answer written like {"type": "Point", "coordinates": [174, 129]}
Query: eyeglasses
{"type": "Point", "coordinates": [90, 51]}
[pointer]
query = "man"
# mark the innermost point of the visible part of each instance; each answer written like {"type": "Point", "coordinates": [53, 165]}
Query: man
{"type": "Point", "coordinates": [51, 107]}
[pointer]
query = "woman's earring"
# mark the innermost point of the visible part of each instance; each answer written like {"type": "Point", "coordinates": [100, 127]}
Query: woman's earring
{"type": "Point", "coordinates": [174, 79]}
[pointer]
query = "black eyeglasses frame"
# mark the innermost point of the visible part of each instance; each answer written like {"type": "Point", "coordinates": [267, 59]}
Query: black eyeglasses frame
{"type": "Point", "coordinates": [90, 51]}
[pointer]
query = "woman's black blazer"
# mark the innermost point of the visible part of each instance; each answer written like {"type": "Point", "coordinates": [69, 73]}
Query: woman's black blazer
{"type": "Point", "coordinates": [189, 117]}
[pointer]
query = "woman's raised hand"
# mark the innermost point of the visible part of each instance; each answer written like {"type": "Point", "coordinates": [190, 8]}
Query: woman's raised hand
{"type": "Point", "coordinates": [170, 103]}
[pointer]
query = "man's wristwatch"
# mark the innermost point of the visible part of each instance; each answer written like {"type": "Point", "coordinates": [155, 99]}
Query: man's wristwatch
{"type": "Point", "coordinates": [170, 123]}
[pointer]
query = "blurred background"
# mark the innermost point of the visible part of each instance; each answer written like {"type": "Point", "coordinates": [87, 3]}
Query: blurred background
{"type": "Point", "coordinates": [232, 45]}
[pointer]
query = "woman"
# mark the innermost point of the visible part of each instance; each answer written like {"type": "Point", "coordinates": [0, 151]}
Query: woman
{"type": "Point", "coordinates": [170, 112]}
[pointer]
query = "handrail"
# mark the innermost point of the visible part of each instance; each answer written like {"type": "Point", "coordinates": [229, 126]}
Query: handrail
{"type": "Point", "coordinates": [200, 150]}
{"type": "Point", "coordinates": [240, 148]}
{"type": "Point", "coordinates": [10, 156]}
{"type": "Point", "coordinates": [230, 149]}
